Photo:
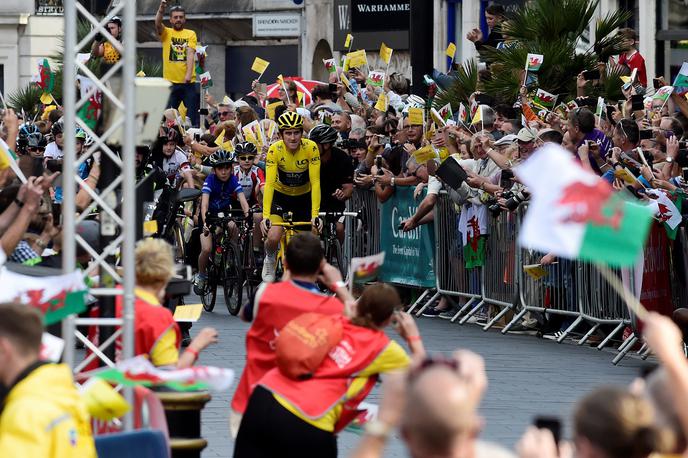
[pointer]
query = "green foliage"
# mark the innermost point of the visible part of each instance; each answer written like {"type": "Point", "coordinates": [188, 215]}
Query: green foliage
{"type": "Point", "coordinates": [25, 100]}
{"type": "Point", "coordinates": [466, 83]}
{"type": "Point", "coordinates": [553, 28]}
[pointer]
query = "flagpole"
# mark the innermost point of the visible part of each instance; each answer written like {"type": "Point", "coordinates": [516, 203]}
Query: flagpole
{"type": "Point", "coordinates": [631, 301]}
{"type": "Point", "coordinates": [482, 120]}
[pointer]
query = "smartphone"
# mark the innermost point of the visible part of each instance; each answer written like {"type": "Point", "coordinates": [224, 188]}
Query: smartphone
{"type": "Point", "coordinates": [684, 172]}
{"type": "Point", "coordinates": [646, 134]}
{"type": "Point", "coordinates": [610, 113]}
{"type": "Point", "coordinates": [197, 137]}
{"type": "Point", "coordinates": [203, 112]}
{"type": "Point", "coordinates": [637, 102]}
{"type": "Point", "coordinates": [57, 214]}
{"type": "Point", "coordinates": [484, 99]}
{"type": "Point", "coordinates": [553, 424]}
{"type": "Point", "coordinates": [378, 164]}
{"type": "Point", "coordinates": [37, 169]}
{"type": "Point", "coordinates": [505, 181]}
{"type": "Point", "coordinates": [656, 83]}
{"type": "Point", "coordinates": [332, 87]}
{"type": "Point", "coordinates": [54, 165]}
{"type": "Point", "coordinates": [589, 75]}
{"type": "Point", "coordinates": [382, 140]}
{"type": "Point", "coordinates": [592, 144]}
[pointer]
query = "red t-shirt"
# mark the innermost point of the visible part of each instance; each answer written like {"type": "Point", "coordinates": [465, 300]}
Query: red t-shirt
{"type": "Point", "coordinates": [633, 62]}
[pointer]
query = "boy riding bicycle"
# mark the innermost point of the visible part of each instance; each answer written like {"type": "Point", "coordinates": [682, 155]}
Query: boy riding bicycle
{"type": "Point", "coordinates": [221, 190]}
{"type": "Point", "coordinates": [252, 180]}
{"type": "Point", "coordinates": [292, 184]}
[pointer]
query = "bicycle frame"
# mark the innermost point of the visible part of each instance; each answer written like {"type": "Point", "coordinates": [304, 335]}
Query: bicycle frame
{"type": "Point", "coordinates": [290, 229]}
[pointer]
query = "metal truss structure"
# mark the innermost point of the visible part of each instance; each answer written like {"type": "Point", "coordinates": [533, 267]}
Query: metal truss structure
{"type": "Point", "coordinates": [115, 200]}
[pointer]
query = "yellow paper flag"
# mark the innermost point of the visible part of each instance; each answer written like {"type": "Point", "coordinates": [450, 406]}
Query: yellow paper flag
{"type": "Point", "coordinates": [46, 99]}
{"type": "Point", "coordinates": [299, 95]}
{"type": "Point", "coordinates": [451, 50]}
{"type": "Point", "coordinates": [385, 53]}
{"type": "Point", "coordinates": [227, 146]}
{"type": "Point", "coordinates": [141, 74]}
{"type": "Point", "coordinates": [182, 111]}
{"type": "Point", "coordinates": [357, 58]}
{"type": "Point", "coordinates": [150, 227]}
{"type": "Point", "coordinates": [349, 39]}
{"type": "Point", "coordinates": [382, 103]}
{"type": "Point", "coordinates": [259, 65]}
{"type": "Point", "coordinates": [345, 81]}
{"type": "Point", "coordinates": [220, 138]}
{"type": "Point", "coordinates": [535, 271]}
{"type": "Point", "coordinates": [271, 109]}
{"type": "Point", "coordinates": [188, 313]}
{"type": "Point", "coordinates": [415, 116]}
{"type": "Point", "coordinates": [424, 154]}
{"type": "Point", "coordinates": [478, 116]}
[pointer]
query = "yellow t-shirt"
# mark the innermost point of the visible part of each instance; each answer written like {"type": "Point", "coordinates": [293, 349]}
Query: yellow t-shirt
{"type": "Point", "coordinates": [175, 46]}
{"type": "Point", "coordinates": [393, 357]}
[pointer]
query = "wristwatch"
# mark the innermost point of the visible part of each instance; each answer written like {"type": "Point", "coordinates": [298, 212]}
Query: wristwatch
{"type": "Point", "coordinates": [336, 285]}
{"type": "Point", "coordinates": [378, 428]}
{"type": "Point", "coordinates": [669, 159]}
{"type": "Point", "coordinates": [392, 181]}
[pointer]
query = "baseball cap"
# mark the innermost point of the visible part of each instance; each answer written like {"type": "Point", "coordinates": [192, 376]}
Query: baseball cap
{"type": "Point", "coordinates": [506, 140]}
{"type": "Point", "coordinates": [525, 135]}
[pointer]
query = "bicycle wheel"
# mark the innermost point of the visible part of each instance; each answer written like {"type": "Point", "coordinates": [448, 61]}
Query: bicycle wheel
{"type": "Point", "coordinates": [335, 256]}
{"type": "Point", "coordinates": [210, 290]}
{"type": "Point", "coordinates": [178, 245]}
{"type": "Point", "coordinates": [232, 278]}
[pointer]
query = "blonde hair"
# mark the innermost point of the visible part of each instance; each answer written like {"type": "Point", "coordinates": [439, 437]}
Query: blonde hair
{"type": "Point", "coordinates": [154, 262]}
{"type": "Point", "coordinates": [617, 422]}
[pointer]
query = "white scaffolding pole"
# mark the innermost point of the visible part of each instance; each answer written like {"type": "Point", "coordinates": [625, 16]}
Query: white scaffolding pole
{"type": "Point", "coordinates": [108, 198]}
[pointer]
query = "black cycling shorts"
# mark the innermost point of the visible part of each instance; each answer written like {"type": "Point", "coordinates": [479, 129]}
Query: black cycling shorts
{"type": "Point", "coordinates": [300, 206]}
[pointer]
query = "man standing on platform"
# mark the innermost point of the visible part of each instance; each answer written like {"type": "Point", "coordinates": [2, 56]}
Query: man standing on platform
{"type": "Point", "coordinates": [178, 53]}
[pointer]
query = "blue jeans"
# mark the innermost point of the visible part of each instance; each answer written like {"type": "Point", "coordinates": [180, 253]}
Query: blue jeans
{"type": "Point", "coordinates": [189, 94]}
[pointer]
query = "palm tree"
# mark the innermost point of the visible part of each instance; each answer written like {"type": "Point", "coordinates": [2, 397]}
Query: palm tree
{"type": "Point", "coordinates": [553, 28]}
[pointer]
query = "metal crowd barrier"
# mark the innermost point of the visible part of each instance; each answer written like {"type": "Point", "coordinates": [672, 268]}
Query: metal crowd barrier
{"type": "Point", "coordinates": [502, 266]}
{"type": "Point", "coordinates": [572, 289]}
{"type": "Point", "coordinates": [452, 277]}
{"type": "Point", "coordinates": [362, 238]}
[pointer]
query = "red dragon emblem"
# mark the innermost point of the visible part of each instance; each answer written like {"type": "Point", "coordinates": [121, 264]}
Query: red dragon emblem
{"type": "Point", "coordinates": [587, 203]}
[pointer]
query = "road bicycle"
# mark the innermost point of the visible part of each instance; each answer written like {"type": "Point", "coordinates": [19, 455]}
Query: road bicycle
{"type": "Point", "coordinates": [224, 265]}
{"type": "Point", "coordinates": [334, 252]}
{"type": "Point", "coordinates": [291, 228]}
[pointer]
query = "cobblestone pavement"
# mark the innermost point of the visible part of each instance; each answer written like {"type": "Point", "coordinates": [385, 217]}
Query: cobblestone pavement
{"type": "Point", "coordinates": [527, 376]}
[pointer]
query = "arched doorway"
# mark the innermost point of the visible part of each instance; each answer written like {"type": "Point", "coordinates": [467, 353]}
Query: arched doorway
{"type": "Point", "coordinates": [322, 51]}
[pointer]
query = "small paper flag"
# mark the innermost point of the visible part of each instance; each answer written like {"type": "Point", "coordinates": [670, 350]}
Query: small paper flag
{"type": "Point", "coordinates": [259, 65]}
{"type": "Point", "coordinates": [416, 116]}
{"type": "Point", "coordinates": [382, 103]}
{"type": "Point", "coordinates": [385, 53]}
{"type": "Point", "coordinates": [271, 109]}
{"type": "Point", "coordinates": [188, 313]}
{"type": "Point", "coordinates": [349, 39]}
{"type": "Point", "coordinates": [330, 65]}
{"type": "Point", "coordinates": [357, 59]}
{"type": "Point", "coordinates": [535, 271]}
{"type": "Point", "coordinates": [451, 50]}
{"type": "Point", "coordinates": [46, 98]}
{"type": "Point", "coordinates": [182, 111]}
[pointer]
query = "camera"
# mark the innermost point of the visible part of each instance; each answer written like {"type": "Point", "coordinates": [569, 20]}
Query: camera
{"type": "Point", "coordinates": [516, 199]}
{"type": "Point", "coordinates": [513, 200]}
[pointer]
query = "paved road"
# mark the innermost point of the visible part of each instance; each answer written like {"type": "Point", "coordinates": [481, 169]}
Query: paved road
{"type": "Point", "coordinates": [527, 376]}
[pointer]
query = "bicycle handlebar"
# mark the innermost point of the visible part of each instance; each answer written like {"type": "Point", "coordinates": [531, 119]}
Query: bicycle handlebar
{"type": "Point", "coordinates": [340, 214]}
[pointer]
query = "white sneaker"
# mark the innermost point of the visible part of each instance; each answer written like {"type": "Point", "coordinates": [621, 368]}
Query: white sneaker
{"type": "Point", "coordinates": [269, 265]}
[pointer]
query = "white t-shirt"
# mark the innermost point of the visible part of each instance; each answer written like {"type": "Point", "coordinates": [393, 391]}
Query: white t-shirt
{"type": "Point", "coordinates": [52, 151]}
{"type": "Point", "coordinates": [175, 164]}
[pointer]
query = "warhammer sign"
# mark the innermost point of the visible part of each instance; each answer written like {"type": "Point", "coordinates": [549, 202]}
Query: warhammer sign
{"type": "Point", "coordinates": [49, 7]}
{"type": "Point", "coordinates": [371, 15]}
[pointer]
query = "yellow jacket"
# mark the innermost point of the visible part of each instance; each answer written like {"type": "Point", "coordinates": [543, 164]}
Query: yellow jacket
{"type": "Point", "coordinates": [44, 416]}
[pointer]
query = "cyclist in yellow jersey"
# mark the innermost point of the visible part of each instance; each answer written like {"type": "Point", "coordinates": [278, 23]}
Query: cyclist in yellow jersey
{"type": "Point", "coordinates": [292, 184]}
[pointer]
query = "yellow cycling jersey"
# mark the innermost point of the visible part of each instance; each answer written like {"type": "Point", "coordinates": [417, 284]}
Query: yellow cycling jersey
{"type": "Point", "coordinates": [292, 174]}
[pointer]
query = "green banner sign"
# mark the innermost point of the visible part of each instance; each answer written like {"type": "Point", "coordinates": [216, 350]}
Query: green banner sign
{"type": "Point", "coordinates": [408, 255]}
